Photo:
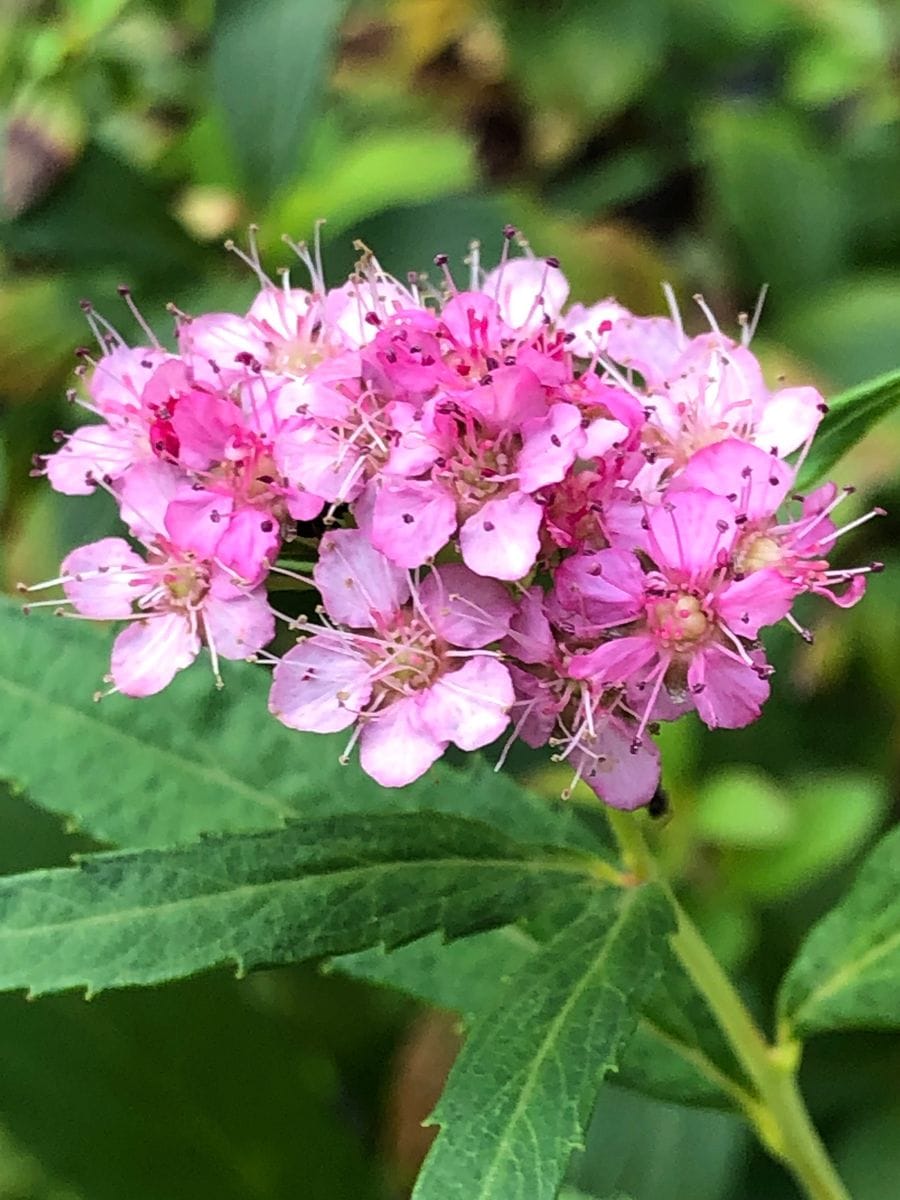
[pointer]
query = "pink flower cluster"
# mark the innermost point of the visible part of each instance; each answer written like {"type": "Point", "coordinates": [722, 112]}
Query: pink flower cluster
{"type": "Point", "coordinates": [559, 524]}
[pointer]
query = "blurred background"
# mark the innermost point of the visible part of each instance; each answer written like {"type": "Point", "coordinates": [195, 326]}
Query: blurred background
{"type": "Point", "coordinates": [716, 145]}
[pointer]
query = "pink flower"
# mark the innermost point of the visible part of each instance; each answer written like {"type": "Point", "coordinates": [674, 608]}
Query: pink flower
{"type": "Point", "coordinates": [406, 662]}
{"type": "Point", "coordinates": [529, 292]}
{"type": "Point", "coordinates": [594, 731]}
{"type": "Point", "coordinates": [117, 389]}
{"type": "Point", "coordinates": [482, 483]}
{"type": "Point", "coordinates": [174, 603]}
{"type": "Point", "coordinates": [796, 547]}
{"type": "Point", "coordinates": [686, 624]}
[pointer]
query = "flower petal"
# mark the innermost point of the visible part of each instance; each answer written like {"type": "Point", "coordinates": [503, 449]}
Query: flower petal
{"type": "Point", "coordinates": [396, 747]}
{"type": "Point", "coordinates": [320, 686]}
{"type": "Point", "coordinates": [501, 539]}
{"type": "Point", "coordinates": [147, 655]}
{"type": "Point", "coordinates": [359, 586]}
{"type": "Point", "coordinates": [471, 706]}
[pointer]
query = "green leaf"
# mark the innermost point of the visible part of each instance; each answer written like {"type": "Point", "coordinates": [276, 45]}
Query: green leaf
{"type": "Point", "coordinates": [847, 329]}
{"type": "Point", "coordinates": [316, 888]}
{"type": "Point", "coordinates": [656, 1151]}
{"type": "Point", "coordinates": [556, 61]}
{"type": "Point", "coordinates": [777, 195]}
{"type": "Point", "coordinates": [370, 174]}
{"type": "Point", "coordinates": [847, 972]}
{"type": "Point", "coordinates": [675, 1053]}
{"type": "Point", "coordinates": [519, 1096]}
{"type": "Point", "coordinates": [571, 1194]}
{"type": "Point", "coordinates": [739, 806]}
{"type": "Point", "coordinates": [269, 63]}
{"type": "Point", "coordinates": [195, 760]}
{"type": "Point", "coordinates": [834, 815]}
{"type": "Point", "coordinates": [850, 416]}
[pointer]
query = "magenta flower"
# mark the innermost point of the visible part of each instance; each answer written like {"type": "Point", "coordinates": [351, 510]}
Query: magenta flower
{"type": "Point", "coordinates": [687, 625]}
{"type": "Point", "coordinates": [796, 547]}
{"type": "Point", "coordinates": [594, 730]}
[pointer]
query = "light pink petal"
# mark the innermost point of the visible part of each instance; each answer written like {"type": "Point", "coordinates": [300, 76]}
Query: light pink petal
{"type": "Point", "coordinates": [106, 577]}
{"type": "Point", "coordinates": [302, 506]}
{"type": "Point", "coordinates": [238, 625]}
{"type": "Point", "coordinates": [514, 395]}
{"type": "Point", "coordinates": [196, 520]}
{"type": "Point", "coordinates": [690, 532]}
{"type": "Point", "coordinates": [650, 345]}
{"type": "Point", "coordinates": [852, 593]}
{"type": "Point", "coordinates": [758, 481]}
{"type": "Point", "coordinates": [788, 418]}
{"type": "Point", "coordinates": [396, 747]}
{"type": "Point", "coordinates": [412, 520]}
{"type": "Point", "coordinates": [320, 686]}
{"type": "Point", "coordinates": [530, 637]}
{"type": "Point", "coordinates": [614, 661]}
{"type": "Point", "coordinates": [761, 598]}
{"type": "Point", "coordinates": [91, 453]}
{"type": "Point", "coordinates": [550, 445]}
{"type": "Point", "coordinates": [527, 290]}
{"type": "Point", "coordinates": [359, 586]}
{"type": "Point", "coordinates": [807, 532]}
{"type": "Point", "coordinates": [217, 338]}
{"type": "Point", "coordinates": [147, 654]}
{"type": "Point", "coordinates": [117, 382]}
{"type": "Point", "coordinates": [145, 493]}
{"type": "Point", "coordinates": [535, 710]}
{"type": "Point", "coordinates": [601, 436]}
{"type": "Point", "coordinates": [315, 459]}
{"type": "Point", "coordinates": [414, 451]}
{"type": "Point", "coordinates": [592, 326]}
{"type": "Point", "coordinates": [281, 312]}
{"type": "Point", "coordinates": [249, 543]}
{"type": "Point", "coordinates": [718, 385]}
{"type": "Point", "coordinates": [469, 707]}
{"type": "Point", "coordinates": [473, 319]}
{"type": "Point", "coordinates": [621, 776]}
{"type": "Point", "coordinates": [727, 693]}
{"type": "Point", "coordinates": [465, 609]}
{"type": "Point", "coordinates": [346, 307]}
{"type": "Point", "coordinates": [501, 540]}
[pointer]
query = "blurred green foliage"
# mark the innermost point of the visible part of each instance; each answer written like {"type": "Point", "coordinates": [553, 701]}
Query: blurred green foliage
{"type": "Point", "coordinates": [719, 146]}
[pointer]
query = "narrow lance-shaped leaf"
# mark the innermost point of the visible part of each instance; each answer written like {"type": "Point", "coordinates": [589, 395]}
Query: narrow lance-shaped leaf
{"type": "Point", "coordinates": [517, 1100]}
{"type": "Point", "coordinates": [316, 888]}
{"type": "Point", "coordinates": [269, 60]}
{"type": "Point", "coordinates": [196, 760]}
{"type": "Point", "coordinates": [847, 972]}
{"type": "Point", "coordinates": [675, 1054]}
{"type": "Point", "coordinates": [850, 416]}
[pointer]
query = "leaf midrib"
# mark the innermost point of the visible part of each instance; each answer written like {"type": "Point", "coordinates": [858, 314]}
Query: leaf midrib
{"type": "Point", "coordinates": [551, 1036]}
{"type": "Point", "coordinates": [843, 976]}
{"type": "Point", "coordinates": [231, 894]}
{"type": "Point", "coordinates": [693, 1055]}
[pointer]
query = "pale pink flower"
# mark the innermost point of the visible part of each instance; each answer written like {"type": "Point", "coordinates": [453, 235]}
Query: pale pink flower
{"type": "Point", "coordinates": [174, 603]}
{"type": "Point", "coordinates": [406, 662]}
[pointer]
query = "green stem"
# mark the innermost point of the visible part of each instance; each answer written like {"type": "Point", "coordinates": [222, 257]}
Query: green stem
{"type": "Point", "coordinates": [778, 1113]}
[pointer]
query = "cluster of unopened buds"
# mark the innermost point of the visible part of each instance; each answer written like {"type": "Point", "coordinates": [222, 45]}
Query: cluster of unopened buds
{"type": "Point", "coordinates": [524, 520]}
